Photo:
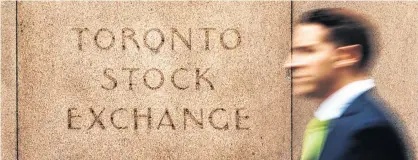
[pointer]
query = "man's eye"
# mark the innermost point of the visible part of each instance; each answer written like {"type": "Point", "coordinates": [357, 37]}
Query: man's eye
{"type": "Point", "coordinates": [308, 50]}
{"type": "Point", "coordinates": [304, 50]}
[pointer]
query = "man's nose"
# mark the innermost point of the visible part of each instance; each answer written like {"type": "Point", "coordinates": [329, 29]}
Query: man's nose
{"type": "Point", "coordinates": [293, 61]}
{"type": "Point", "coordinates": [288, 62]}
{"type": "Point", "coordinates": [288, 66]}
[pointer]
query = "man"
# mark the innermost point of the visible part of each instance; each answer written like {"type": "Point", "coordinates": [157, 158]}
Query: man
{"type": "Point", "coordinates": [332, 49]}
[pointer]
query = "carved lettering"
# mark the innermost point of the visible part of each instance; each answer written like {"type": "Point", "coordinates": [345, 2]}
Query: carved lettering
{"type": "Point", "coordinates": [237, 41]}
{"type": "Point", "coordinates": [201, 76]}
{"type": "Point", "coordinates": [80, 37]}
{"type": "Point", "coordinates": [188, 43]}
{"type": "Point", "coordinates": [114, 82]}
{"type": "Point", "coordinates": [155, 49]}
{"type": "Point", "coordinates": [97, 119]}
{"type": "Point", "coordinates": [225, 127]}
{"type": "Point", "coordinates": [161, 79]}
{"type": "Point", "coordinates": [207, 37]}
{"type": "Point", "coordinates": [148, 116]}
{"type": "Point", "coordinates": [238, 119]}
{"type": "Point", "coordinates": [170, 120]}
{"type": "Point", "coordinates": [112, 42]}
{"type": "Point", "coordinates": [131, 70]}
{"type": "Point", "coordinates": [128, 33]}
{"type": "Point", "coordinates": [173, 79]}
{"type": "Point", "coordinates": [112, 118]}
{"type": "Point", "coordinates": [187, 113]}
{"type": "Point", "coordinates": [70, 117]}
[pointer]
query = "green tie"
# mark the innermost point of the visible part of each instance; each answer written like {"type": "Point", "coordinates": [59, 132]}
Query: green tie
{"type": "Point", "coordinates": [315, 134]}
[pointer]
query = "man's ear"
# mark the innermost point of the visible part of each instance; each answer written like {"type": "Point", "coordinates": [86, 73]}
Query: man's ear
{"type": "Point", "coordinates": [348, 56]}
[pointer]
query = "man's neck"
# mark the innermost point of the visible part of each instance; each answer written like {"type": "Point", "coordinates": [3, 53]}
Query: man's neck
{"type": "Point", "coordinates": [343, 81]}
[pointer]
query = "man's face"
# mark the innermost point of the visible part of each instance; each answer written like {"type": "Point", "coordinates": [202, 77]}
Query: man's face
{"type": "Point", "coordinates": [312, 61]}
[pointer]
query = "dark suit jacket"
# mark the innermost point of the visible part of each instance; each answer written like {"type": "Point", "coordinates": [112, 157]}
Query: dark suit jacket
{"type": "Point", "coordinates": [366, 130]}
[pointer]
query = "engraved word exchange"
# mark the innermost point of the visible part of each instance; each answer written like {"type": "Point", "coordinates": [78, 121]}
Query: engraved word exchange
{"type": "Point", "coordinates": [137, 79]}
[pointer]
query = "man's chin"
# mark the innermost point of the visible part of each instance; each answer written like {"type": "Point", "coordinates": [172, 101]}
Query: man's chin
{"type": "Point", "coordinates": [299, 93]}
{"type": "Point", "coordinates": [303, 92]}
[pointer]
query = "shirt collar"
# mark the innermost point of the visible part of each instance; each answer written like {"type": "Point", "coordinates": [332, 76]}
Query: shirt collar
{"type": "Point", "coordinates": [335, 105]}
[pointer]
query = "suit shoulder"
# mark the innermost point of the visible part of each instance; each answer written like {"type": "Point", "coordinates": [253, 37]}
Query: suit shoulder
{"type": "Point", "coordinates": [369, 112]}
{"type": "Point", "coordinates": [375, 110]}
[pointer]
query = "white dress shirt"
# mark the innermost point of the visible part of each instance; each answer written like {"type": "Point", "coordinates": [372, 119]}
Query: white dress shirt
{"type": "Point", "coordinates": [335, 105]}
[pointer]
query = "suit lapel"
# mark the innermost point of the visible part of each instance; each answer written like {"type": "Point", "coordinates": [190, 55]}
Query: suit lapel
{"type": "Point", "coordinates": [357, 105]}
{"type": "Point", "coordinates": [354, 108]}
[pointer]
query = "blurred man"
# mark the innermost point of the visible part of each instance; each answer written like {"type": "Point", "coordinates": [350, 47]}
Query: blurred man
{"type": "Point", "coordinates": [332, 49]}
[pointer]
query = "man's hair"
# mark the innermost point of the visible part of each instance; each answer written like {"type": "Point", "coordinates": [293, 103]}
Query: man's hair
{"type": "Point", "coordinates": [345, 28]}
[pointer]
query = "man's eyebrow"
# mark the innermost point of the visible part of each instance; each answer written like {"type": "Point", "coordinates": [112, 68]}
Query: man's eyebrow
{"type": "Point", "coordinates": [303, 47]}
